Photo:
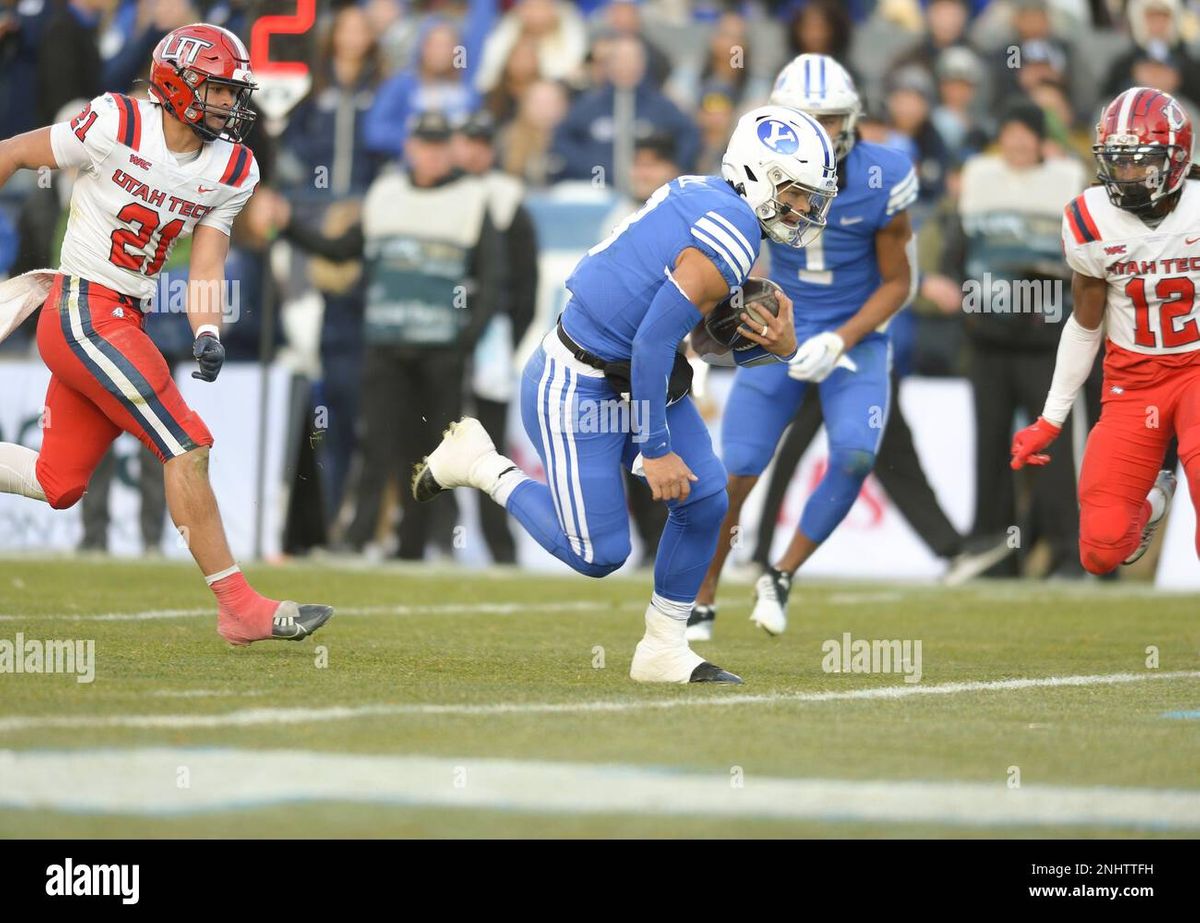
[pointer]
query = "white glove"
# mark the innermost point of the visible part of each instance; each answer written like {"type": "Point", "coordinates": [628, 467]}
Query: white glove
{"type": "Point", "coordinates": [818, 356]}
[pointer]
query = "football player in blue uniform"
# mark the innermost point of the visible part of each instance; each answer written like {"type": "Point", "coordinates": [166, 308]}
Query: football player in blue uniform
{"type": "Point", "coordinates": [844, 285]}
{"type": "Point", "coordinates": [634, 297]}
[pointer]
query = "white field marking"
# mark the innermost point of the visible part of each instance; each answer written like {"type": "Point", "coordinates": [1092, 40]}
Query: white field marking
{"type": "Point", "coordinates": [144, 781]}
{"type": "Point", "coordinates": [253, 717]}
{"type": "Point", "coordinates": [438, 609]}
{"type": "Point", "coordinates": [203, 693]}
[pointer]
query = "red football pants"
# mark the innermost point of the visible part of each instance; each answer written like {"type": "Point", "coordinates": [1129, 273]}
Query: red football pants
{"type": "Point", "coordinates": [107, 377]}
{"type": "Point", "coordinates": [1125, 453]}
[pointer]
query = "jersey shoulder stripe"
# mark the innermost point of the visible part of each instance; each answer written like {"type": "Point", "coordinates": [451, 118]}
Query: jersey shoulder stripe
{"type": "Point", "coordinates": [129, 121]}
{"type": "Point", "coordinates": [1079, 220]}
{"type": "Point", "coordinates": [738, 237]}
{"type": "Point", "coordinates": [238, 167]}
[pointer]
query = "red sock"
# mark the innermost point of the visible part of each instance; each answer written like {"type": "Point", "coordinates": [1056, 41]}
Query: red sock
{"type": "Point", "coordinates": [243, 615]}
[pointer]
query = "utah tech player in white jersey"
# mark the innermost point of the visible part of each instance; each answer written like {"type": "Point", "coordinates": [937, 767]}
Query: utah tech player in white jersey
{"type": "Point", "coordinates": [1134, 245]}
{"type": "Point", "coordinates": [150, 173]}
{"type": "Point", "coordinates": [136, 193]}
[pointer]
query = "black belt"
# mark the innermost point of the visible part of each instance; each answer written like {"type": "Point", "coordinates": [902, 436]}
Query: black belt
{"type": "Point", "coordinates": [578, 351]}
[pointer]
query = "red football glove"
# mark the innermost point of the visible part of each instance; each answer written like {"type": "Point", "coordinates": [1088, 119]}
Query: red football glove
{"type": "Point", "coordinates": [1028, 444]}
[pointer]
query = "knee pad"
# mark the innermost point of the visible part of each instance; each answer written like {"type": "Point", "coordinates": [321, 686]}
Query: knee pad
{"type": "Point", "coordinates": [708, 511]}
{"type": "Point", "coordinates": [61, 492]}
{"type": "Point", "coordinates": [1102, 534]}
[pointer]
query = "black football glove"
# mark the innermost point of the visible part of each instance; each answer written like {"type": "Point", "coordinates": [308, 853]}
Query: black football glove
{"type": "Point", "coordinates": [208, 351]}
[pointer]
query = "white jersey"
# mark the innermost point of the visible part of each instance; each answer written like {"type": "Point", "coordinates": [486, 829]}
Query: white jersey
{"type": "Point", "coordinates": [1153, 274]}
{"type": "Point", "coordinates": [133, 199]}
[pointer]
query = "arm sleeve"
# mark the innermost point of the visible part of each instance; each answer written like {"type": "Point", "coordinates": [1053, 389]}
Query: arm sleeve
{"type": "Point", "coordinates": [347, 246]}
{"type": "Point", "coordinates": [670, 318]}
{"type": "Point", "coordinates": [1077, 348]}
{"type": "Point", "coordinates": [89, 137]}
{"type": "Point", "coordinates": [223, 216]}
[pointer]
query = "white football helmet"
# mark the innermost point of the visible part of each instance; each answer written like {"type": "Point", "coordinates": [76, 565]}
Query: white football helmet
{"type": "Point", "coordinates": [818, 85]}
{"type": "Point", "coordinates": [781, 162]}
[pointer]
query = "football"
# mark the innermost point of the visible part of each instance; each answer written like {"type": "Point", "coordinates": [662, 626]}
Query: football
{"type": "Point", "coordinates": [754, 297]}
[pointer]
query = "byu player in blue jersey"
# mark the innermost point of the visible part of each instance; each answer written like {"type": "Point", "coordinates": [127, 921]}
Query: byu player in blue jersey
{"type": "Point", "coordinates": [634, 297]}
{"type": "Point", "coordinates": [845, 286]}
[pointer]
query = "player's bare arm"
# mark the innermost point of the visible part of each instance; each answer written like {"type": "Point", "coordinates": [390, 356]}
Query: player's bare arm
{"type": "Point", "coordinates": [206, 291]}
{"type": "Point", "coordinates": [28, 151]}
{"type": "Point", "coordinates": [890, 249]}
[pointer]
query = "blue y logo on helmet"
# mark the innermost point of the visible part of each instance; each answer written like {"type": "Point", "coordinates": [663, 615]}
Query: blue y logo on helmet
{"type": "Point", "coordinates": [778, 136]}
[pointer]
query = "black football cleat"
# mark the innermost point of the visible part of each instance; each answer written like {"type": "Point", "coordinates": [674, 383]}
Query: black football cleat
{"type": "Point", "coordinates": [700, 623]}
{"type": "Point", "coordinates": [295, 622]}
{"type": "Point", "coordinates": [711, 673]}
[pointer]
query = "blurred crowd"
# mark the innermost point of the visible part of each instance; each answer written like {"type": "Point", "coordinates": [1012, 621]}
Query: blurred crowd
{"type": "Point", "coordinates": [618, 94]}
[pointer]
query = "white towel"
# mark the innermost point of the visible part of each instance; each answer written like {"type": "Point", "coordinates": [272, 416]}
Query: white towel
{"type": "Point", "coordinates": [21, 296]}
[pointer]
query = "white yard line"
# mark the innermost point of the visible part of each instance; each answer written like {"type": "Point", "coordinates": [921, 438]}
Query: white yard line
{"type": "Point", "coordinates": [253, 717]}
{"type": "Point", "coordinates": [433, 609]}
{"type": "Point", "coordinates": [180, 781]}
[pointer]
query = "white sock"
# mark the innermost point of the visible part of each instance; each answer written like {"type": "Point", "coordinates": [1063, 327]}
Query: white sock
{"type": "Point", "coordinates": [210, 579]}
{"type": "Point", "coordinates": [671, 608]}
{"type": "Point", "coordinates": [1158, 503]}
{"type": "Point", "coordinates": [18, 471]}
{"type": "Point", "coordinates": [505, 477]}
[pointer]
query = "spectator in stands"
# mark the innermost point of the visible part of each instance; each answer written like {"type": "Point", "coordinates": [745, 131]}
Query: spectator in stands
{"type": "Point", "coordinates": [556, 28]}
{"type": "Point", "coordinates": [1034, 55]}
{"type": "Point", "coordinates": [526, 141]}
{"type": "Point", "coordinates": [909, 107]}
{"type": "Point", "coordinates": [330, 170]}
{"type": "Point", "coordinates": [715, 117]}
{"type": "Point", "coordinates": [435, 82]}
{"type": "Point", "coordinates": [324, 141]}
{"type": "Point", "coordinates": [153, 20]}
{"type": "Point", "coordinates": [519, 73]}
{"type": "Point", "coordinates": [959, 115]}
{"type": "Point", "coordinates": [493, 374]}
{"type": "Point", "coordinates": [945, 28]}
{"type": "Point", "coordinates": [1011, 211]}
{"type": "Point", "coordinates": [68, 65]}
{"type": "Point", "coordinates": [820, 27]}
{"type": "Point", "coordinates": [725, 64]}
{"type": "Point", "coordinates": [585, 138]}
{"type": "Point", "coordinates": [624, 17]}
{"type": "Point", "coordinates": [435, 272]}
{"type": "Point", "coordinates": [1154, 25]}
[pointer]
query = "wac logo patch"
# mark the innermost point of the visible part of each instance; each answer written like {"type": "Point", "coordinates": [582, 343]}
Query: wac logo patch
{"type": "Point", "coordinates": [1114, 250]}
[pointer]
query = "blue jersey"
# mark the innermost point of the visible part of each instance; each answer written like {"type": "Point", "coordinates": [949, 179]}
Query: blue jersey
{"type": "Point", "coordinates": [829, 280]}
{"type": "Point", "coordinates": [612, 287]}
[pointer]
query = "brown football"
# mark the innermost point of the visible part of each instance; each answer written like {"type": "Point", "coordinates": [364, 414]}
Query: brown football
{"type": "Point", "coordinates": [754, 296]}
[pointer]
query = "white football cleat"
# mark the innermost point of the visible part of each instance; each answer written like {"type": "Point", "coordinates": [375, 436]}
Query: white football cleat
{"type": "Point", "coordinates": [770, 603]}
{"type": "Point", "coordinates": [968, 565]}
{"type": "Point", "coordinates": [1164, 483]}
{"type": "Point", "coordinates": [466, 457]}
{"type": "Point", "coordinates": [663, 655]}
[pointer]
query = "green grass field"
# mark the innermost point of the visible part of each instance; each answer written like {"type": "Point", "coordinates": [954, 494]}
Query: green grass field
{"type": "Point", "coordinates": [454, 703]}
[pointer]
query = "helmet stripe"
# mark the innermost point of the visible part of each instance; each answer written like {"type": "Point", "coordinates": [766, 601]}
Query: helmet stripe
{"type": "Point", "coordinates": [821, 90]}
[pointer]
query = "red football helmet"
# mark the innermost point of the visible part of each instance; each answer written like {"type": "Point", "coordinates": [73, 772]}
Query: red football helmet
{"type": "Point", "coordinates": [1143, 147]}
{"type": "Point", "coordinates": [193, 61]}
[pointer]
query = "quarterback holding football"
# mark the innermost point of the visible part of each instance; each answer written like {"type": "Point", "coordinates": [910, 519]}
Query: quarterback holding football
{"type": "Point", "coordinates": [151, 172]}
